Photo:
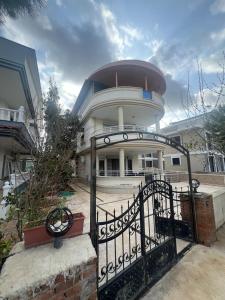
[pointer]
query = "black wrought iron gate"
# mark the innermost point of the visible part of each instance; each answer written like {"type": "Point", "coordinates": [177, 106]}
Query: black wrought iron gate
{"type": "Point", "coordinates": [137, 245]}
{"type": "Point", "coordinates": [133, 250]}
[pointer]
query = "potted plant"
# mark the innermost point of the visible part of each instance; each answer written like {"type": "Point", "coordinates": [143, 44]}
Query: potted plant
{"type": "Point", "coordinates": [30, 215]}
{"type": "Point", "coordinates": [36, 234]}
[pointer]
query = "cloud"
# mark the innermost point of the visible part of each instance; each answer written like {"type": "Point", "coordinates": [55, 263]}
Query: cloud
{"type": "Point", "coordinates": [218, 36]}
{"type": "Point", "coordinates": [175, 93]}
{"type": "Point", "coordinates": [154, 45]}
{"type": "Point", "coordinates": [111, 29]}
{"type": "Point", "coordinates": [121, 36]}
{"type": "Point", "coordinates": [74, 50]}
{"type": "Point", "coordinates": [67, 52]}
{"type": "Point", "coordinates": [71, 50]}
{"type": "Point", "coordinates": [218, 6]}
{"type": "Point", "coordinates": [172, 58]}
{"type": "Point", "coordinates": [132, 32]}
{"type": "Point", "coordinates": [213, 63]}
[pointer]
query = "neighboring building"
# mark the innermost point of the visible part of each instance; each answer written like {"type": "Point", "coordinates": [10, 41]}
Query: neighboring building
{"type": "Point", "coordinates": [123, 95]}
{"type": "Point", "coordinates": [20, 106]}
{"type": "Point", "coordinates": [192, 135]}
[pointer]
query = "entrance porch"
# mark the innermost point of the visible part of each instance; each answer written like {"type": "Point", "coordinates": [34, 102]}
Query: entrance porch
{"type": "Point", "coordinates": [127, 167]}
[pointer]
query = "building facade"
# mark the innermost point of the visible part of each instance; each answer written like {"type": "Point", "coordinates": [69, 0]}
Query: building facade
{"type": "Point", "coordinates": [192, 135]}
{"type": "Point", "coordinates": [20, 107]}
{"type": "Point", "coordinates": [124, 95]}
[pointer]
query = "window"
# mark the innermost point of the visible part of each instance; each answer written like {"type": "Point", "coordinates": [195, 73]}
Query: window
{"type": "Point", "coordinates": [176, 139]}
{"type": "Point", "coordinates": [176, 161]}
{"type": "Point", "coordinates": [82, 141]}
{"type": "Point", "coordinates": [149, 163]}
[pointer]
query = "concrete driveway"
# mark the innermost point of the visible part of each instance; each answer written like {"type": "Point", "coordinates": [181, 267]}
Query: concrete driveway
{"type": "Point", "coordinates": [200, 275]}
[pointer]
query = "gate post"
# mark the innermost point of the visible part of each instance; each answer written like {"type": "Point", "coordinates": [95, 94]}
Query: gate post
{"type": "Point", "coordinates": [93, 227]}
{"type": "Point", "coordinates": [142, 222]}
{"type": "Point", "coordinates": [172, 217]}
{"type": "Point", "coordinates": [193, 209]}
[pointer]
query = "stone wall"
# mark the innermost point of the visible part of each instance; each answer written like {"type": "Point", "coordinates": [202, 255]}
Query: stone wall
{"type": "Point", "coordinates": [46, 273]}
{"type": "Point", "coordinates": [204, 178]}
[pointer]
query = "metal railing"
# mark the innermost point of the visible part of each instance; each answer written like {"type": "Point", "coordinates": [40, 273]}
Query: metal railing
{"type": "Point", "coordinates": [137, 172]}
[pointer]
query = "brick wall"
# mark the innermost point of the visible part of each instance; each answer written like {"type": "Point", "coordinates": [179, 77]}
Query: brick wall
{"type": "Point", "coordinates": [80, 286]}
{"type": "Point", "coordinates": [205, 218]}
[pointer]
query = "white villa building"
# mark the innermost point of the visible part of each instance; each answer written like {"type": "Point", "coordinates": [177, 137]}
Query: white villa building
{"type": "Point", "coordinates": [123, 95]}
{"type": "Point", "coordinates": [20, 106]}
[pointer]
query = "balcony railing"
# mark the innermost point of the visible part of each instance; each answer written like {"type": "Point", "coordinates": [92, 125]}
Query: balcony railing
{"type": "Point", "coordinates": [18, 115]}
{"type": "Point", "coordinates": [121, 93]}
{"type": "Point", "coordinates": [112, 129]}
{"type": "Point", "coordinates": [138, 172]}
{"type": "Point", "coordinates": [11, 115]}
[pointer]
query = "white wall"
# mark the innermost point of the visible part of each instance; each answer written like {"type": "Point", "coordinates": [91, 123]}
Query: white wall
{"type": "Point", "coordinates": [136, 163]}
{"type": "Point", "coordinates": [3, 103]}
{"type": "Point", "coordinates": [120, 182]}
{"type": "Point", "coordinates": [219, 207]}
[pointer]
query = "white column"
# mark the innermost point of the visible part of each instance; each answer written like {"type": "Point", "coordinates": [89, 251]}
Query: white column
{"type": "Point", "coordinates": [209, 167]}
{"type": "Point", "coordinates": [7, 188]}
{"type": "Point", "coordinates": [21, 114]}
{"type": "Point", "coordinates": [2, 114]}
{"type": "Point", "coordinates": [116, 79]}
{"type": "Point", "coordinates": [97, 165]}
{"type": "Point", "coordinates": [121, 162]}
{"type": "Point", "coordinates": [120, 118]}
{"type": "Point", "coordinates": [105, 166]}
{"type": "Point", "coordinates": [160, 161]}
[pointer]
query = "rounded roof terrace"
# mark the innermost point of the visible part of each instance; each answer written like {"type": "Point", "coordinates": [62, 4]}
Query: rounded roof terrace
{"type": "Point", "coordinates": [134, 73]}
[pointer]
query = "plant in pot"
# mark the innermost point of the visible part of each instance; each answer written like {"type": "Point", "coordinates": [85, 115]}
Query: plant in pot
{"type": "Point", "coordinates": [30, 219]}
{"type": "Point", "coordinates": [35, 232]}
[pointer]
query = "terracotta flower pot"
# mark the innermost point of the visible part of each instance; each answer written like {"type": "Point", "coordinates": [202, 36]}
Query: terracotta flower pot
{"type": "Point", "coordinates": [38, 235]}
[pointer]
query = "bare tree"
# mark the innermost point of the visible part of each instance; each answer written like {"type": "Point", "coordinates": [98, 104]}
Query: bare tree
{"type": "Point", "coordinates": [199, 104]}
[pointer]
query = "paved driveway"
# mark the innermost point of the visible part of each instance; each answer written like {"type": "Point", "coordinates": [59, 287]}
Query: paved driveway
{"type": "Point", "coordinates": [200, 275]}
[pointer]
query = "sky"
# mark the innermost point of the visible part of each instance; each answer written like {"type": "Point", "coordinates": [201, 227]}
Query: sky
{"type": "Point", "coordinates": [73, 38]}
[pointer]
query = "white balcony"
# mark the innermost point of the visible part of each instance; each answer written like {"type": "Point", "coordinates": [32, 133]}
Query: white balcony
{"type": "Point", "coordinates": [113, 129]}
{"type": "Point", "coordinates": [12, 114]}
{"type": "Point", "coordinates": [99, 104]}
{"type": "Point", "coordinates": [17, 115]}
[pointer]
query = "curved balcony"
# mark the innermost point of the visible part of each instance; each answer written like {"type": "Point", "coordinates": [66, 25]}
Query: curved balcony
{"type": "Point", "coordinates": [112, 129]}
{"type": "Point", "coordinates": [99, 103]}
{"type": "Point", "coordinates": [130, 129]}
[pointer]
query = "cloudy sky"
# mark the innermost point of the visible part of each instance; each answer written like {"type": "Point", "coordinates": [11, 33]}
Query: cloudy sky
{"type": "Point", "coordinates": [74, 37]}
